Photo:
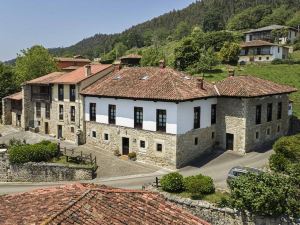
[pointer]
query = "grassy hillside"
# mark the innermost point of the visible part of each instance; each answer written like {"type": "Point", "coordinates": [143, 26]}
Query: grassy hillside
{"type": "Point", "coordinates": [284, 74]}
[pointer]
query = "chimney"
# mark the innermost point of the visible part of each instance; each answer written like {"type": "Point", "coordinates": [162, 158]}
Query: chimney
{"type": "Point", "coordinates": [162, 64]}
{"type": "Point", "coordinates": [231, 72]}
{"type": "Point", "coordinates": [200, 83]}
{"type": "Point", "coordinates": [88, 70]}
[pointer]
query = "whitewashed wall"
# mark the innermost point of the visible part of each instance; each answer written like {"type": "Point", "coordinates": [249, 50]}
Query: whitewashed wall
{"type": "Point", "coordinates": [180, 116]}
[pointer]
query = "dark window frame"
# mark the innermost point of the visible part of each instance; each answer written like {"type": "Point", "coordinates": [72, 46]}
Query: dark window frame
{"type": "Point", "coordinates": [47, 111]}
{"type": "Point", "coordinates": [93, 111]}
{"type": "Point", "coordinates": [72, 93]}
{"type": "Point", "coordinates": [258, 114]}
{"type": "Point", "coordinates": [60, 92]}
{"type": "Point", "coordinates": [197, 117]}
{"type": "Point", "coordinates": [269, 112]}
{"type": "Point", "coordinates": [112, 110]}
{"type": "Point", "coordinates": [106, 137]}
{"type": "Point", "coordinates": [38, 109]}
{"type": "Point", "coordinates": [159, 147]}
{"type": "Point", "coordinates": [196, 141]}
{"type": "Point", "coordinates": [213, 113]}
{"type": "Point", "coordinates": [72, 113]}
{"type": "Point", "coordinates": [61, 112]}
{"type": "Point", "coordinates": [279, 110]}
{"type": "Point", "coordinates": [138, 117]}
{"type": "Point", "coordinates": [161, 120]}
{"type": "Point", "coordinates": [142, 145]}
{"type": "Point", "coordinates": [94, 134]}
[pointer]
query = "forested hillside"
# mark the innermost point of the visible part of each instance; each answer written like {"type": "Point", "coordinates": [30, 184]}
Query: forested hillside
{"type": "Point", "coordinates": [210, 15]}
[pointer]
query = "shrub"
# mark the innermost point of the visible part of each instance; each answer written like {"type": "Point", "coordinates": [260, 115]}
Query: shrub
{"type": "Point", "coordinates": [265, 194]}
{"type": "Point", "coordinates": [41, 152]}
{"type": "Point", "coordinates": [132, 155]}
{"type": "Point", "coordinates": [172, 182]}
{"type": "Point", "coordinates": [199, 185]}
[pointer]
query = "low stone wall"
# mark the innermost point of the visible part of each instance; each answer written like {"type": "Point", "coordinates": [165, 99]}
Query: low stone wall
{"type": "Point", "coordinates": [47, 172]}
{"type": "Point", "coordinates": [223, 216]}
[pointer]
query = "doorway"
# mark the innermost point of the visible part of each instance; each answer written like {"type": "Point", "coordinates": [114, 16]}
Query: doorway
{"type": "Point", "coordinates": [18, 120]}
{"type": "Point", "coordinates": [59, 131]}
{"type": "Point", "coordinates": [125, 146]}
{"type": "Point", "coordinates": [46, 128]}
{"type": "Point", "coordinates": [229, 141]}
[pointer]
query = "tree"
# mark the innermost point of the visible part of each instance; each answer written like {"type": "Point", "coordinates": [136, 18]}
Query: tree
{"type": "Point", "coordinates": [295, 20]}
{"type": "Point", "coordinates": [280, 33]}
{"type": "Point", "coordinates": [120, 49]}
{"type": "Point", "coordinates": [229, 53]}
{"type": "Point", "coordinates": [33, 63]}
{"type": "Point", "coordinates": [212, 20]}
{"type": "Point", "coordinates": [182, 30]}
{"type": "Point", "coordinates": [152, 56]}
{"type": "Point", "coordinates": [279, 16]}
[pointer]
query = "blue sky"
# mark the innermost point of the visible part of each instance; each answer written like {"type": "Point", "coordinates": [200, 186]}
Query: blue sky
{"type": "Point", "coordinates": [57, 23]}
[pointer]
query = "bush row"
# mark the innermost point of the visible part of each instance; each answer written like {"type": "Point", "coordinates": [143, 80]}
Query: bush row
{"type": "Point", "coordinates": [196, 185]}
{"type": "Point", "coordinates": [41, 152]}
{"type": "Point", "coordinates": [285, 61]}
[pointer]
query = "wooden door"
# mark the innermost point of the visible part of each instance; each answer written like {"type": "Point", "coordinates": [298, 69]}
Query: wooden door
{"type": "Point", "coordinates": [59, 131]}
{"type": "Point", "coordinates": [125, 146]}
{"type": "Point", "coordinates": [229, 141]}
{"type": "Point", "coordinates": [46, 128]}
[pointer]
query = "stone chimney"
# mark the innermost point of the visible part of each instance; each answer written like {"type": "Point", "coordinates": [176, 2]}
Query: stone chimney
{"type": "Point", "coordinates": [162, 64]}
{"type": "Point", "coordinates": [231, 72]}
{"type": "Point", "coordinates": [200, 83]}
{"type": "Point", "coordinates": [88, 70]}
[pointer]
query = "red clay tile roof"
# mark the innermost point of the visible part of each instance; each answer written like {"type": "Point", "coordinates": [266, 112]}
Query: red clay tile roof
{"type": "Point", "coordinates": [92, 204]}
{"type": "Point", "coordinates": [78, 75]}
{"type": "Point", "coordinates": [257, 43]}
{"type": "Point", "coordinates": [62, 59]}
{"type": "Point", "coordinates": [150, 83]}
{"type": "Point", "coordinates": [45, 79]}
{"type": "Point", "coordinates": [250, 86]}
{"type": "Point", "coordinates": [131, 56]}
{"type": "Point", "coordinates": [16, 96]}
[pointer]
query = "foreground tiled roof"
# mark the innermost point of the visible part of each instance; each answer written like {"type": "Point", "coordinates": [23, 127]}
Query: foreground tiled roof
{"type": "Point", "coordinates": [151, 83]}
{"type": "Point", "coordinates": [62, 59]}
{"type": "Point", "coordinates": [78, 75]}
{"type": "Point", "coordinates": [267, 28]}
{"type": "Point", "coordinates": [45, 79]}
{"type": "Point", "coordinates": [15, 96]}
{"type": "Point", "coordinates": [257, 43]}
{"type": "Point", "coordinates": [91, 204]}
{"type": "Point", "coordinates": [250, 86]}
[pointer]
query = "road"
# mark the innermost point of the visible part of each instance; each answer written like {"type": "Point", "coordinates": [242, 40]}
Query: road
{"type": "Point", "coordinates": [215, 165]}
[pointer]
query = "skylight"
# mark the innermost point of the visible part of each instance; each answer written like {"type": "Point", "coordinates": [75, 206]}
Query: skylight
{"type": "Point", "coordinates": [145, 77]}
{"type": "Point", "coordinates": [118, 77]}
{"type": "Point", "coordinates": [187, 78]}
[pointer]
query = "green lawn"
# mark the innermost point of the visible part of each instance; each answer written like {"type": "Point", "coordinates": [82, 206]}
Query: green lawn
{"type": "Point", "coordinates": [284, 74]}
{"type": "Point", "coordinates": [63, 160]}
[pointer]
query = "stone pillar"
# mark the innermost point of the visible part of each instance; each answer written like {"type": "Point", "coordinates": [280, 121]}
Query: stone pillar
{"type": "Point", "coordinates": [27, 109]}
{"type": "Point", "coordinates": [6, 111]}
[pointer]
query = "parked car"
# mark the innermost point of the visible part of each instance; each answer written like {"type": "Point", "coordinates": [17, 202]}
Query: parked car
{"type": "Point", "coordinates": [240, 170]}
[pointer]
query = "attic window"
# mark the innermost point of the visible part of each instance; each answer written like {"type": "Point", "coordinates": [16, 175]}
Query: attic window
{"type": "Point", "coordinates": [145, 77]}
{"type": "Point", "coordinates": [117, 77]}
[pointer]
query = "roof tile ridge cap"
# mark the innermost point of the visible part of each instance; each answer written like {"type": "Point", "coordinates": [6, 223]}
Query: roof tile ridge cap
{"type": "Point", "coordinates": [51, 218]}
{"type": "Point", "coordinates": [217, 90]}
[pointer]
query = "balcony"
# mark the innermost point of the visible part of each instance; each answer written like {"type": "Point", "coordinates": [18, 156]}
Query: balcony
{"type": "Point", "coordinates": [41, 93]}
{"type": "Point", "coordinates": [41, 97]}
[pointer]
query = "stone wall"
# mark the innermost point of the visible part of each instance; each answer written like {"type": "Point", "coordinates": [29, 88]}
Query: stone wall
{"type": "Point", "coordinates": [149, 154]}
{"type": "Point", "coordinates": [224, 216]}
{"type": "Point", "coordinates": [6, 110]}
{"type": "Point", "coordinates": [47, 172]}
{"type": "Point", "coordinates": [276, 127]}
{"type": "Point", "coordinates": [188, 150]}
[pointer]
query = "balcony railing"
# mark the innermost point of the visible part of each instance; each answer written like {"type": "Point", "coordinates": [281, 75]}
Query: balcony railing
{"type": "Point", "coordinates": [41, 97]}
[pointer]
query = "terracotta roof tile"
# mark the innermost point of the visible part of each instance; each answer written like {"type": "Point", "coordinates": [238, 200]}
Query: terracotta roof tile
{"type": "Point", "coordinates": [91, 204]}
{"type": "Point", "coordinates": [78, 75]}
{"type": "Point", "coordinates": [131, 56]}
{"type": "Point", "coordinates": [15, 96]}
{"type": "Point", "coordinates": [150, 83]}
{"type": "Point", "coordinates": [250, 86]}
{"type": "Point", "coordinates": [64, 59]}
{"type": "Point", "coordinates": [257, 43]}
{"type": "Point", "coordinates": [269, 28]}
{"type": "Point", "coordinates": [45, 79]}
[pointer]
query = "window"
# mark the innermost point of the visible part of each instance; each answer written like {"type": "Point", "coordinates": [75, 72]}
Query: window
{"type": "Point", "coordinates": [196, 141]}
{"type": "Point", "coordinates": [39, 123]}
{"type": "Point", "coordinates": [161, 120]}
{"type": "Point", "coordinates": [92, 111]}
{"type": "Point", "coordinates": [213, 114]}
{"type": "Point", "coordinates": [269, 112]}
{"type": "Point", "coordinates": [38, 109]}
{"type": "Point", "coordinates": [268, 58]}
{"type": "Point", "coordinates": [47, 111]}
{"type": "Point", "coordinates": [138, 117]}
{"type": "Point", "coordinates": [106, 137]}
{"type": "Point", "coordinates": [258, 114]}
{"type": "Point", "coordinates": [212, 135]}
{"type": "Point", "coordinates": [61, 112]}
{"type": "Point", "coordinates": [72, 111]}
{"type": "Point", "coordinates": [72, 130]}
{"type": "Point", "coordinates": [159, 147]}
{"type": "Point", "coordinates": [142, 144]}
{"type": "Point", "coordinates": [278, 128]}
{"type": "Point", "coordinates": [279, 110]}
{"type": "Point", "coordinates": [94, 134]}
{"type": "Point", "coordinates": [111, 114]}
{"type": "Point", "coordinates": [257, 135]}
{"type": "Point", "coordinates": [72, 93]}
{"type": "Point", "coordinates": [197, 111]}
{"type": "Point", "coordinates": [268, 131]}
{"type": "Point", "coordinates": [259, 58]}
{"type": "Point", "coordinates": [60, 92]}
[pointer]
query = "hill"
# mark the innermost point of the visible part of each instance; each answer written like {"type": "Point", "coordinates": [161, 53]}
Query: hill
{"type": "Point", "coordinates": [211, 15]}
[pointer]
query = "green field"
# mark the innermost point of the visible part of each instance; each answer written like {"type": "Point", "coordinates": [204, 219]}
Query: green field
{"type": "Point", "coordinates": [284, 74]}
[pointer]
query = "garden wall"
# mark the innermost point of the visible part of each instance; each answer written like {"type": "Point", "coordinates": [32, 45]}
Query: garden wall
{"type": "Point", "coordinates": [47, 172]}
{"type": "Point", "coordinates": [223, 216]}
